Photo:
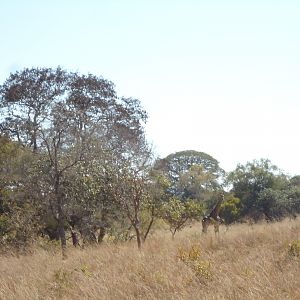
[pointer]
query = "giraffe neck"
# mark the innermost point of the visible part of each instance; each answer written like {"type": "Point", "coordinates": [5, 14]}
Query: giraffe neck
{"type": "Point", "coordinates": [216, 210]}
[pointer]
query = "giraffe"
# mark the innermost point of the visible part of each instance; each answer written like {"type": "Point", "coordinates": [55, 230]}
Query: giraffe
{"type": "Point", "coordinates": [213, 217]}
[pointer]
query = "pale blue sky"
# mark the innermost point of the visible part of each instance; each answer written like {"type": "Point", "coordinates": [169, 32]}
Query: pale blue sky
{"type": "Point", "coordinates": [222, 77]}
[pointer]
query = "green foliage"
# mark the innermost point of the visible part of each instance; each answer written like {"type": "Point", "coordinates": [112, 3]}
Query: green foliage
{"type": "Point", "coordinates": [230, 210]}
{"type": "Point", "coordinates": [81, 137]}
{"type": "Point", "coordinates": [19, 220]}
{"type": "Point", "coordinates": [272, 203]}
{"type": "Point", "coordinates": [251, 180]}
{"type": "Point", "coordinates": [293, 195]}
{"type": "Point", "coordinates": [196, 183]}
{"type": "Point", "coordinates": [193, 209]}
{"type": "Point", "coordinates": [177, 163]}
{"type": "Point", "coordinates": [295, 181]}
{"type": "Point", "coordinates": [19, 228]}
{"type": "Point", "coordinates": [157, 193]}
{"type": "Point", "coordinates": [177, 213]}
{"type": "Point", "coordinates": [191, 174]}
{"type": "Point", "coordinates": [4, 225]}
{"type": "Point", "coordinates": [15, 162]}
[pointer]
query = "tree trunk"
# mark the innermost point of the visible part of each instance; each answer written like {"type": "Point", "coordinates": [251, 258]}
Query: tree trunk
{"type": "Point", "coordinates": [148, 229]}
{"type": "Point", "coordinates": [103, 227]}
{"type": "Point", "coordinates": [63, 240]}
{"type": "Point", "coordinates": [101, 234]}
{"type": "Point", "coordinates": [138, 237]}
{"type": "Point", "coordinates": [61, 216]}
{"type": "Point", "coordinates": [62, 233]}
{"type": "Point", "coordinates": [75, 240]}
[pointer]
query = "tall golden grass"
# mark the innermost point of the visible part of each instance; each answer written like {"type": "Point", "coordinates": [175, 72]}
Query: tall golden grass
{"type": "Point", "coordinates": [245, 262]}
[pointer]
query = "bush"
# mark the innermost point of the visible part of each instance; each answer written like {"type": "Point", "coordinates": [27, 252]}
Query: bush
{"type": "Point", "coordinates": [192, 258]}
{"type": "Point", "coordinates": [19, 229]}
{"type": "Point", "coordinates": [294, 248]}
{"type": "Point", "coordinates": [230, 210]}
{"type": "Point", "coordinates": [4, 225]}
{"type": "Point", "coordinates": [177, 213]}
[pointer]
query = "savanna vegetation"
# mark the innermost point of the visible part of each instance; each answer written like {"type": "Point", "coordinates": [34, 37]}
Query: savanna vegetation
{"type": "Point", "coordinates": [261, 261]}
{"type": "Point", "coordinates": [76, 169]}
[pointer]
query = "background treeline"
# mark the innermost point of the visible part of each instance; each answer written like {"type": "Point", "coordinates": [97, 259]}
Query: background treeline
{"type": "Point", "coordinates": [75, 164]}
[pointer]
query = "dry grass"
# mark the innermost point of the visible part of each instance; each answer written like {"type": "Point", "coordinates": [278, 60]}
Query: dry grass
{"type": "Point", "coordinates": [258, 262]}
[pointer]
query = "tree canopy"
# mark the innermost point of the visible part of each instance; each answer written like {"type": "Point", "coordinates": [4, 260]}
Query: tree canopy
{"type": "Point", "coordinates": [262, 188]}
{"type": "Point", "coordinates": [192, 174]}
{"type": "Point", "coordinates": [71, 121]}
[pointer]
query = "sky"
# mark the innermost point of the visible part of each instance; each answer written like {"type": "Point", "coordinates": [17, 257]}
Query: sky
{"type": "Point", "coordinates": [220, 77]}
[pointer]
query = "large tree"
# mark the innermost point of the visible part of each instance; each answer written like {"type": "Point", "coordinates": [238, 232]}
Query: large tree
{"type": "Point", "coordinates": [63, 117]}
{"type": "Point", "coordinates": [258, 184]}
{"type": "Point", "coordinates": [192, 174]}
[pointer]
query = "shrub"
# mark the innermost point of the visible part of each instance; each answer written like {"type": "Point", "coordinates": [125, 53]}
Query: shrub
{"type": "Point", "coordinates": [230, 210]}
{"type": "Point", "coordinates": [177, 214]}
{"type": "Point", "coordinates": [192, 258]}
{"type": "Point", "coordinates": [294, 248]}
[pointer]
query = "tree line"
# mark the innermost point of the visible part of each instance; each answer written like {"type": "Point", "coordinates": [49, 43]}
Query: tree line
{"type": "Point", "coordinates": [75, 164]}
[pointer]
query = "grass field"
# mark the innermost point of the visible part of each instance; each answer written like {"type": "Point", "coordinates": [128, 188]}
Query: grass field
{"type": "Point", "coordinates": [245, 262]}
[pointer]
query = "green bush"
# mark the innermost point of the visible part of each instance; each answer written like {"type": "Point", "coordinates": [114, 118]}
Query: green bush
{"type": "Point", "coordinates": [230, 210]}
{"type": "Point", "coordinates": [177, 213]}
